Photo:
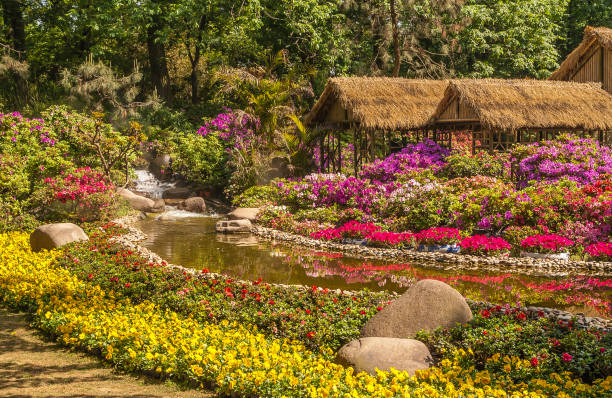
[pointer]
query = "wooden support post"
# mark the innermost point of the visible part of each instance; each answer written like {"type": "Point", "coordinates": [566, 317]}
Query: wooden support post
{"type": "Point", "coordinates": [340, 152]}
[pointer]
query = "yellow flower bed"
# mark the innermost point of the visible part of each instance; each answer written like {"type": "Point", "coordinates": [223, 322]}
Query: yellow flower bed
{"type": "Point", "coordinates": [233, 358]}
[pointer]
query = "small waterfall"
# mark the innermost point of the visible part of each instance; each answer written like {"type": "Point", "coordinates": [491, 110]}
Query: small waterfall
{"type": "Point", "coordinates": [149, 185]}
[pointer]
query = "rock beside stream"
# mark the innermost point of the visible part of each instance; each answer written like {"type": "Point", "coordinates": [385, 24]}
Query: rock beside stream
{"type": "Point", "coordinates": [177, 193]}
{"type": "Point", "coordinates": [194, 205]}
{"type": "Point", "coordinates": [141, 203]}
{"type": "Point", "coordinates": [233, 226]}
{"type": "Point", "coordinates": [248, 213]}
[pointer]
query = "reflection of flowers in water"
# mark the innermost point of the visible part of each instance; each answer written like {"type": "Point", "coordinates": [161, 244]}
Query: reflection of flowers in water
{"type": "Point", "coordinates": [502, 288]}
{"type": "Point", "coordinates": [353, 274]}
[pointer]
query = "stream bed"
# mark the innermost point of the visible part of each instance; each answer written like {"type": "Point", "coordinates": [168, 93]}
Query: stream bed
{"type": "Point", "coordinates": [192, 242]}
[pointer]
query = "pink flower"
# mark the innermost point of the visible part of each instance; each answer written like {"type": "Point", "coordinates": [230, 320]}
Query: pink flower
{"type": "Point", "coordinates": [566, 357]}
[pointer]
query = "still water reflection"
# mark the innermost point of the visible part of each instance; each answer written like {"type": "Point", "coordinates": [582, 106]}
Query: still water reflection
{"type": "Point", "coordinates": [193, 242]}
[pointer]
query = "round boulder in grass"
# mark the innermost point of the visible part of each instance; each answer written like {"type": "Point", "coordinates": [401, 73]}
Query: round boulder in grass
{"type": "Point", "coordinates": [427, 305]}
{"type": "Point", "coordinates": [52, 236]}
{"type": "Point", "coordinates": [370, 353]}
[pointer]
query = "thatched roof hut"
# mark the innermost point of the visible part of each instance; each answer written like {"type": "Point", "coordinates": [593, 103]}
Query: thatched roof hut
{"type": "Point", "coordinates": [525, 104]}
{"type": "Point", "coordinates": [503, 112]}
{"type": "Point", "coordinates": [591, 61]}
{"type": "Point", "coordinates": [377, 103]}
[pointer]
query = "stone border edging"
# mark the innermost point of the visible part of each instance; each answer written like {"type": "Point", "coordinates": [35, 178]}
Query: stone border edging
{"type": "Point", "coordinates": [135, 235]}
{"type": "Point", "coordinates": [449, 258]}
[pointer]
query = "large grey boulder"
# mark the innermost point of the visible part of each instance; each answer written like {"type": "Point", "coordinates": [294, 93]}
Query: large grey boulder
{"type": "Point", "coordinates": [248, 213]}
{"type": "Point", "coordinates": [427, 305]}
{"type": "Point", "coordinates": [194, 205]}
{"type": "Point", "coordinates": [140, 202]}
{"type": "Point", "coordinates": [177, 193]}
{"type": "Point", "coordinates": [52, 236]}
{"type": "Point", "coordinates": [371, 353]}
{"type": "Point", "coordinates": [233, 226]}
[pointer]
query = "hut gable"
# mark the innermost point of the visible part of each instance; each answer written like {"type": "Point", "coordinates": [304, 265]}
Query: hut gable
{"type": "Point", "coordinates": [591, 61]}
{"type": "Point", "coordinates": [526, 104]}
{"type": "Point", "coordinates": [378, 103]}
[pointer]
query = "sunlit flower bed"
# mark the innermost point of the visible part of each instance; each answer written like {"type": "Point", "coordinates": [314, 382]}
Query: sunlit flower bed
{"type": "Point", "coordinates": [561, 187]}
{"type": "Point", "coordinates": [233, 357]}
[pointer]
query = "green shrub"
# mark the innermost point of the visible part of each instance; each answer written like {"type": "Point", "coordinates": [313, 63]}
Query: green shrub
{"type": "Point", "coordinates": [14, 217]}
{"type": "Point", "coordinates": [257, 196]}
{"type": "Point", "coordinates": [320, 214]}
{"type": "Point", "coordinates": [200, 159]}
{"type": "Point", "coordinates": [481, 164]}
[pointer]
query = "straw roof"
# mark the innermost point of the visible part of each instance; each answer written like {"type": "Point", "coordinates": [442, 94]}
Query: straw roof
{"type": "Point", "coordinates": [380, 102]}
{"type": "Point", "coordinates": [601, 36]}
{"type": "Point", "coordinates": [532, 104]}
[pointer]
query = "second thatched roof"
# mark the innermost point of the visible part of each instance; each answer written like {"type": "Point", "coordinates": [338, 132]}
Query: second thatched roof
{"type": "Point", "coordinates": [532, 104]}
{"type": "Point", "coordinates": [593, 36]}
{"type": "Point", "coordinates": [380, 103]}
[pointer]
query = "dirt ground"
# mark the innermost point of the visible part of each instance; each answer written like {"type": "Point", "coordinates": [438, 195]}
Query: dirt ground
{"type": "Point", "coordinates": [31, 366]}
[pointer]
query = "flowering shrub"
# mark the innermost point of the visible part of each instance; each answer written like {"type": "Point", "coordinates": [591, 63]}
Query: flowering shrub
{"type": "Point", "coordinates": [423, 155]}
{"type": "Point", "coordinates": [467, 165]}
{"type": "Point", "coordinates": [350, 230]}
{"type": "Point", "coordinates": [484, 245]}
{"type": "Point", "coordinates": [236, 130]}
{"type": "Point", "coordinates": [579, 160]}
{"type": "Point", "coordinates": [601, 251]}
{"type": "Point", "coordinates": [546, 244]}
{"type": "Point", "coordinates": [438, 236]}
{"type": "Point", "coordinates": [390, 239]}
{"type": "Point", "coordinates": [78, 185]}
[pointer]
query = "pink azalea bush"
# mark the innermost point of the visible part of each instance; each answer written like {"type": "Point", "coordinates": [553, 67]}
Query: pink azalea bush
{"type": "Point", "coordinates": [484, 245]}
{"type": "Point", "coordinates": [390, 239]}
{"type": "Point", "coordinates": [350, 230]}
{"type": "Point", "coordinates": [439, 236]}
{"type": "Point", "coordinates": [601, 251]}
{"type": "Point", "coordinates": [78, 185]}
{"type": "Point", "coordinates": [546, 244]}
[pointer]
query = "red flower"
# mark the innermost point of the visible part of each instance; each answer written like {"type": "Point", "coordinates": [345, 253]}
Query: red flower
{"type": "Point", "coordinates": [485, 314]}
{"type": "Point", "coordinates": [602, 349]}
{"type": "Point", "coordinates": [271, 302]}
{"type": "Point", "coordinates": [90, 276]}
{"type": "Point", "coordinates": [310, 335]}
{"type": "Point", "coordinates": [521, 315]}
{"type": "Point", "coordinates": [567, 357]}
{"type": "Point", "coordinates": [128, 284]}
{"type": "Point", "coordinates": [556, 343]}
{"type": "Point", "coordinates": [379, 308]}
{"type": "Point", "coordinates": [307, 311]}
{"type": "Point", "coordinates": [534, 362]}
{"type": "Point", "coordinates": [205, 271]}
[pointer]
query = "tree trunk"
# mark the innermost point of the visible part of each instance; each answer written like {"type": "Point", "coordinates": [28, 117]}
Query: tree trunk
{"type": "Point", "coordinates": [157, 61]}
{"type": "Point", "coordinates": [396, 45]}
{"type": "Point", "coordinates": [195, 61]}
{"type": "Point", "coordinates": [13, 17]}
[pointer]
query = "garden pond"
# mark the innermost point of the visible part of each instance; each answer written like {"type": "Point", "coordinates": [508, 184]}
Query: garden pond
{"type": "Point", "coordinates": [192, 242]}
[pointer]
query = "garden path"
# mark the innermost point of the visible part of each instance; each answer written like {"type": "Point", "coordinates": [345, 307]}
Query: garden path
{"type": "Point", "coordinates": [33, 367]}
